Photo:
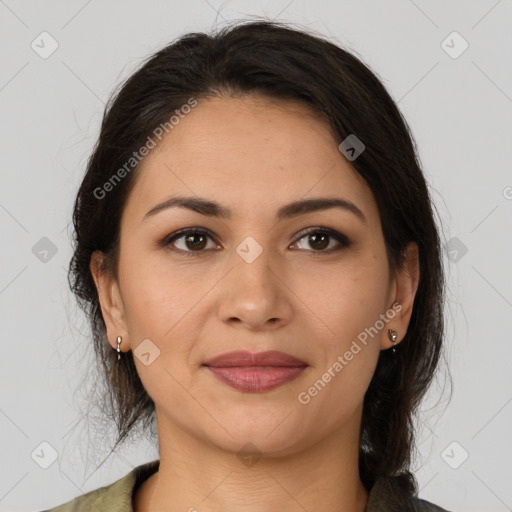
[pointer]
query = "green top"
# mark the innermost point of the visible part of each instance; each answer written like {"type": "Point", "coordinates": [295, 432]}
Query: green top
{"type": "Point", "coordinates": [385, 496]}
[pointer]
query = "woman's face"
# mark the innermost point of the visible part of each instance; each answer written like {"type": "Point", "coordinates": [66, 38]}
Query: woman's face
{"type": "Point", "coordinates": [256, 282]}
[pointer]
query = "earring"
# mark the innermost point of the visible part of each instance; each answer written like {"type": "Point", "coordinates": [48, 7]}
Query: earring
{"type": "Point", "coordinates": [392, 336]}
{"type": "Point", "coordinates": [119, 339]}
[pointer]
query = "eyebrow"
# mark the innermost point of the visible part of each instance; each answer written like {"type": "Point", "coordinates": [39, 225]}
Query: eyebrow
{"type": "Point", "coordinates": [288, 211]}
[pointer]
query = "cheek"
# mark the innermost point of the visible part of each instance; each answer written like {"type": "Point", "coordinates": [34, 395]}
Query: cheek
{"type": "Point", "coordinates": [350, 340]}
{"type": "Point", "coordinates": [157, 299]}
{"type": "Point", "coordinates": [349, 301]}
{"type": "Point", "coordinates": [358, 299]}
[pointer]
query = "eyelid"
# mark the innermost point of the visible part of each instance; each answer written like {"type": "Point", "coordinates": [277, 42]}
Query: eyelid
{"type": "Point", "coordinates": [342, 239]}
{"type": "Point", "coordinates": [166, 242]}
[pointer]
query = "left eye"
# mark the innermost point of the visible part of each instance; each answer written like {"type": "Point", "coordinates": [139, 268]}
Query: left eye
{"type": "Point", "coordinates": [195, 240]}
{"type": "Point", "coordinates": [318, 238]}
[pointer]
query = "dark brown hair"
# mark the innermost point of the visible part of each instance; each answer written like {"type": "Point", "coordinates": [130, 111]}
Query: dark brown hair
{"type": "Point", "coordinates": [280, 62]}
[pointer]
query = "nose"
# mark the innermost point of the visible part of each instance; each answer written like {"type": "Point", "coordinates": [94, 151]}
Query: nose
{"type": "Point", "coordinates": [254, 294]}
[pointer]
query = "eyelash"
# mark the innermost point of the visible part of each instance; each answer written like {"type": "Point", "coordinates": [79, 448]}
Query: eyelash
{"type": "Point", "coordinates": [342, 239]}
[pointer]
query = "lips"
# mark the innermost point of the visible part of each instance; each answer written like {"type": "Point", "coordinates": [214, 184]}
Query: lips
{"type": "Point", "coordinates": [255, 372]}
{"type": "Point", "coordinates": [242, 358]}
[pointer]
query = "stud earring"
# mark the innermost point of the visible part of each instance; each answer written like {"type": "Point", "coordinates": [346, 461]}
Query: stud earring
{"type": "Point", "coordinates": [119, 339]}
{"type": "Point", "coordinates": [393, 336]}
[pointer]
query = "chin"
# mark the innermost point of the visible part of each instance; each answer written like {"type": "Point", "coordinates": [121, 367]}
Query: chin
{"type": "Point", "coordinates": [268, 435]}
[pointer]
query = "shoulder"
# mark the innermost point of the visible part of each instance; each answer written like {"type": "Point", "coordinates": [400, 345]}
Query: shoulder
{"type": "Point", "coordinates": [115, 497]}
{"type": "Point", "coordinates": [426, 506]}
{"type": "Point", "coordinates": [387, 495]}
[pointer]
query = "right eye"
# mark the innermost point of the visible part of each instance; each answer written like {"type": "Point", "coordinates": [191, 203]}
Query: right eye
{"type": "Point", "coordinates": [194, 240]}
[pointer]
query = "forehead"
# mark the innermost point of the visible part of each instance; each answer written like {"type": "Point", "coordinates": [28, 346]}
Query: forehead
{"type": "Point", "coordinates": [251, 153]}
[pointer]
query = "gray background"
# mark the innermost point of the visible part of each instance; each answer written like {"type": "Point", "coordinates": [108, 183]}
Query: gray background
{"type": "Point", "coordinates": [458, 107]}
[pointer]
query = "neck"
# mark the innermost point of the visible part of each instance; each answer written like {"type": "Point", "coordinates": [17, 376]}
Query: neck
{"type": "Point", "coordinates": [196, 476]}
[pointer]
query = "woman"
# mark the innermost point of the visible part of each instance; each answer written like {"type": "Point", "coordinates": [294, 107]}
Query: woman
{"type": "Point", "coordinates": [257, 253]}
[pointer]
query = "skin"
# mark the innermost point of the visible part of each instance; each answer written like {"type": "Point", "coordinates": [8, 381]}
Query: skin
{"type": "Point", "coordinates": [253, 155]}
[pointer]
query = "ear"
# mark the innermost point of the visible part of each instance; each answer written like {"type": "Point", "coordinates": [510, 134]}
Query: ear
{"type": "Point", "coordinates": [111, 303]}
{"type": "Point", "coordinates": [405, 284]}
